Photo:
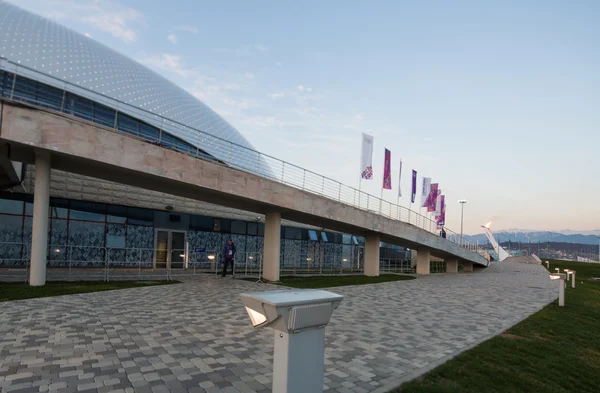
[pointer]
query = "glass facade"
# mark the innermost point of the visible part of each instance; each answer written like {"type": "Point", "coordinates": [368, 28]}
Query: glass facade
{"type": "Point", "coordinates": [88, 233]}
{"type": "Point", "coordinates": [40, 94]}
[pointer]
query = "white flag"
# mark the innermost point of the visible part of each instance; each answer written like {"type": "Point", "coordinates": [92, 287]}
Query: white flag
{"type": "Point", "coordinates": [399, 179]}
{"type": "Point", "coordinates": [366, 160]}
{"type": "Point", "coordinates": [425, 190]}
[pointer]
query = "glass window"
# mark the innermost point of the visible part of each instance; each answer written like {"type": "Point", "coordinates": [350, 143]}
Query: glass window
{"type": "Point", "coordinates": [87, 211]}
{"type": "Point", "coordinates": [201, 223]}
{"type": "Point", "coordinates": [59, 212]}
{"type": "Point", "coordinates": [104, 115]}
{"type": "Point", "coordinates": [138, 216]}
{"type": "Point", "coordinates": [354, 240]}
{"type": "Point", "coordinates": [293, 233]}
{"type": "Point", "coordinates": [11, 228]}
{"type": "Point", "coordinates": [49, 96]}
{"type": "Point", "coordinates": [10, 206]}
{"type": "Point", "coordinates": [225, 225]}
{"type": "Point", "coordinates": [128, 124]}
{"type": "Point", "coordinates": [261, 229]}
{"type": "Point", "coordinates": [238, 227]}
{"type": "Point", "coordinates": [252, 228]}
{"type": "Point", "coordinates": [116, 214]}
{"type": "Point", "coordinates": [324, 236]}
{"type": "Point", "coordinates": [312, 235]}
{"type": "Point", "coordinates": [149, 132]}
{"type": "Point", "coordinates": [115, 241]}
{"type": "Point", "coordinates": [29, 205]}
{"type": "Point", "coordinates": [216, 225]}
{"type": "Point", "coordinates": [80, 107]}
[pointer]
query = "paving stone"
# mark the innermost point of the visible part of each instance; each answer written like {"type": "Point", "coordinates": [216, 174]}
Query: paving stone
{"type": "Point", "coordinates": [147, 339]}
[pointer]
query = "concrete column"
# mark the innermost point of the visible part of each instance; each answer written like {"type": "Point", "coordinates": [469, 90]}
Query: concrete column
{"type": "Point", "coordinates": [41, 202]}
{"type": "Point", "coordinates": [423, 261]}
{"type": "Point", "coordinates": [467, 266]}
{"type": "Point", "coordinates": [372, 255]}
{"type": "Point", "coordinates": [272, 248]}
{"type": "Point", "coordinates": [452, 266]}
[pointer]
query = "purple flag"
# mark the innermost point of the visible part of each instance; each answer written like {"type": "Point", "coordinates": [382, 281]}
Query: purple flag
{"type": "Point", "coordinates": [387, 170]}
{"type": "Point", "coordinates": [414, 187]}
{"type": "Point", "coordinates": [431, 199]}
{"type": "Point", "coordinates": [441, 221]}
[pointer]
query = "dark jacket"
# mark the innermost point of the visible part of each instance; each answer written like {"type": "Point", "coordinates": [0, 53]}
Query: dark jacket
{"type": "Point", "coordinates": [229, 251]}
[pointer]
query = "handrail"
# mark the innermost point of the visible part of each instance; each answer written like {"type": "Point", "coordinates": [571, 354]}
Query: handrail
{"type": "Point", "coordinates": [277, 170]}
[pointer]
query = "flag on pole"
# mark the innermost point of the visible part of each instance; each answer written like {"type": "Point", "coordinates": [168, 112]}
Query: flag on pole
{"type": "Point", "coordinates": [431, 198]}
{"type": "Point", "coordinates": [425, 191]}
{"type": "Point", "coordinates": [414, 187]}
{"type": "Point", "coordinates": [366, 160]}
{"type": "Point", "coordinates": [399, 179]}
{"type": "Point", "coordinates": [442, 218]}
{"type": "Point", "coordinates": [387, 170]}
{"type": "Point", "coordinates": [438, 203]}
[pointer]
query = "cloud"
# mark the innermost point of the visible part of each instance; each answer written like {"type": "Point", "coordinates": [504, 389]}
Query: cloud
{"type": "Point", "coordinates": [231, 86]}
{"type": "Point", "coordinates": [167, 62]}
{"type": "Point", "coordinates": [189, 29]}
{"type": "Point", "coordinates": [261, 48]}
{"type": "Point", "coordinates": [88, 35]}
{"type": "Point", "coordinates": [238, 104]}
{"type": "Point", "coordinates": [277, 95]}
{"type": "Point", "coordinates": [249, 75]}
{"type": "Point", "coordinates": [263, 121]}
{"type": "Point", "coordinates": [106, 15]}
{"type": "Point", "coordinates": [111, 18]}
{"type": "Point", "coordinates": [172, 38]}
{"type": "Point", "coordinates": [303, 89]}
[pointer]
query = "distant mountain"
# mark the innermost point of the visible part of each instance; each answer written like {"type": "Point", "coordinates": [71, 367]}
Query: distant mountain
{"type": "Point", "coordinates": [524, 236]}
{"type": "Point", "coordinates": [595, 232]}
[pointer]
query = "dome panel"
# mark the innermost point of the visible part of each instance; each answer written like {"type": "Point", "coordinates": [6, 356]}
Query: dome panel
{"type": "Point", "coordinates": [108, 77]}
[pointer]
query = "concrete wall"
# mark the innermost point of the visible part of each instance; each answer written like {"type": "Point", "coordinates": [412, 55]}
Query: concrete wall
{"type": "Point", "coordinates": [87, 149]}
{"type": "Point", "coordinates": [73, 186]}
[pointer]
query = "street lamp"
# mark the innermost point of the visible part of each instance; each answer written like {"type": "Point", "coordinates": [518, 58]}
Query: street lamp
{"type": "Point", "coordinates": [462, 210]}
{"type": "Point", "coordinates": [298, 319]}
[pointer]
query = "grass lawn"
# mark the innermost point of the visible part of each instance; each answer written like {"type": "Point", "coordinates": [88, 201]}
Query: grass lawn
{"type": "Point", "coordinates": [554, 350]}
{"type": "Point", "coordinates": [337, 281]}
{"type": "Point", "coordinates": [19, 290]}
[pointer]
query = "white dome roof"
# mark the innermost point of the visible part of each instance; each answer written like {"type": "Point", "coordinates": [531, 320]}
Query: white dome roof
{"type": "Point", "coordinates": [101, 74]}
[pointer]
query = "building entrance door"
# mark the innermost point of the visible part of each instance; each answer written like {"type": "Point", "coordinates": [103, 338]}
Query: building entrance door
{"type": "Point", "coordinates": [170, 249]}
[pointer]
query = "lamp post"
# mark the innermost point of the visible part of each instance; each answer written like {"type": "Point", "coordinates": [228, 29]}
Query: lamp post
{"type": "Point", "coordinates": [462, 211]}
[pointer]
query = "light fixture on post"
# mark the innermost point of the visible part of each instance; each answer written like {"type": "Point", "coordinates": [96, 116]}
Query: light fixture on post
{"type": "Point", "coordinates": [462, 211]}
{"type": "Point", "coordinates": [561, 287]}
{"type": "Point", "coordinates": [299, 319]}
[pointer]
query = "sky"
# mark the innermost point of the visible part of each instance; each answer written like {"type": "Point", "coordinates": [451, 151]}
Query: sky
{"type": "Point", "coordinates": [497, 101]}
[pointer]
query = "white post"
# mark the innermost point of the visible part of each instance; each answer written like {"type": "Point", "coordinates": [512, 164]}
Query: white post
{"type": "Point", "coordinates": [41, 202]}
{"type": "Point", "coordinates": [299, 361]}
{"type": "Point", "coordinates": [573, 280]}
{"type": "Point", "coordinates": [561, 292]}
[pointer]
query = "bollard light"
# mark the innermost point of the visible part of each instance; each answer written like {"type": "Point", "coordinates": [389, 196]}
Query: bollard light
{"type": "Point", "coordinates": [299, 319]}
{"type": "Point", "coordinates": [548, 265]}
{"type": "Point", "coordinates": [561, 287]}
{"type": "Point", "coordinates": [573, 278]}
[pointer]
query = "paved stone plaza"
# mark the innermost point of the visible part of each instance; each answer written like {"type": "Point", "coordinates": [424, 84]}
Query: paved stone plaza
{"type": "Point", "coordinates": [196, 336]}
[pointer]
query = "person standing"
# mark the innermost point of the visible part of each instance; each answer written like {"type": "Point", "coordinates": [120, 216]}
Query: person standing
{"type": "Point", "coordinates": [228, 256]}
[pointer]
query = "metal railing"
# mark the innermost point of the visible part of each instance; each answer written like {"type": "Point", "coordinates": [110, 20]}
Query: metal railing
{"type": "Point", "coordinates": [248, 265]}
{"type": "Point", "coordinates": [222, 151]}
{"type": "Point", "coordinates": [396, 265]}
